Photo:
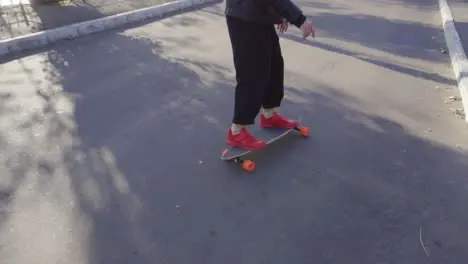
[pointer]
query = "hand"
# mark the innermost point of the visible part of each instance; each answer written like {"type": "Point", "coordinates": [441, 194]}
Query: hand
{"type": "Point", "coordinates": [307, 29]}
{"type": "Point", "coordinates": [283, 26]}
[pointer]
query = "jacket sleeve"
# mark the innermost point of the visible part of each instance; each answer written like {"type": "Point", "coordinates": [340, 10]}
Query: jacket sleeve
{"type": "Point", "coordinates": [289, 11]}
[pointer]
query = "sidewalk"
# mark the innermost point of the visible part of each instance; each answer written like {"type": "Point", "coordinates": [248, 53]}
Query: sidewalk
{"type": "Point", "coordinates": [455, 25]}
{"type": "Point", "coordinates": [459, 10]}
{"type": "Point", "coordinates": [20, 17]}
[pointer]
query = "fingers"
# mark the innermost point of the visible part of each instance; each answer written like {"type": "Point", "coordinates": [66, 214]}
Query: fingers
{"type": "Point", "coordinates": [283, 27]}
{"type": "Point", "coordinates": [307, 31]}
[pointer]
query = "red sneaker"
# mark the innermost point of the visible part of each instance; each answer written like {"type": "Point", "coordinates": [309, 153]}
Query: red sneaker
{"type": "Point", "coordinates": [277, 121]}
{"type": "Point", "coordinates": [244, 140]}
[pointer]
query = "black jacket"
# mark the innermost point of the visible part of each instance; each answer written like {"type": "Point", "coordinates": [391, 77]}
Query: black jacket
{"type": "Point", "coordinates": [265, 11]}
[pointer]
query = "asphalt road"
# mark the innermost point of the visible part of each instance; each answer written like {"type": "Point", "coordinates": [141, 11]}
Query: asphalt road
{"type": "Point", "coordinates": [110, 147]}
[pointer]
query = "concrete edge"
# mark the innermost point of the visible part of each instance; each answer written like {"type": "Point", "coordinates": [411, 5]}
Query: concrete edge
{"type": "Point", "coordinates": [46, 37]}
{"type": "Point", "coordinates": [457, 53]}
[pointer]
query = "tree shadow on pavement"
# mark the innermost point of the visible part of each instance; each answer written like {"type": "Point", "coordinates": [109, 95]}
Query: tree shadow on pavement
{"type": "Point", "coordinates": [398, 37]}
{"type": "Point", "coordinates": [414, 3]}
{"type": "Point", "coordinates": [358, 191]}
{"type": "Point", "coordinates": [124, 141]}
{"type": "Point", "coordinates": [328, 6]}
{"type": "Point", "coordinates": [394, 37]}
{"type": "Point", "coordinates": [108, 99]}
{"type": "Point", "coordinates": [369, 58]}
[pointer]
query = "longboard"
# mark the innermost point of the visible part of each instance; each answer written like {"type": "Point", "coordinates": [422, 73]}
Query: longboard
{"type": "Point", "coordinates": [269, 135]}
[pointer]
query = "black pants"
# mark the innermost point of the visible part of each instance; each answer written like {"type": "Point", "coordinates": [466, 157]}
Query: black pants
{"type": "Point", "coordinates": [259, 69]}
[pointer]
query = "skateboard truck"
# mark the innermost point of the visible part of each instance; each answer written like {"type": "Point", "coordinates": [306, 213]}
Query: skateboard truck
{"type": "Point", "coordinates": [303, 130]}
{"type": "Point", "coordinates": [247, 165]}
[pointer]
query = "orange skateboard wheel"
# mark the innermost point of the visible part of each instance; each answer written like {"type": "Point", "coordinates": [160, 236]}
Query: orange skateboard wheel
{"type": "Point", "coordinates": [248, 165]}
{"type": "Point", "coordinates": [304, 131]}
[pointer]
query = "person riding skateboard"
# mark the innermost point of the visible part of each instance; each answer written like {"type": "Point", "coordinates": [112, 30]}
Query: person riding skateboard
{"type": "Point", "coordinates": [259, 64]}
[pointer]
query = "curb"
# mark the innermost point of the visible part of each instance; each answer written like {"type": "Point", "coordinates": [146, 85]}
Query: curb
{"type": "Point", "coordinates": [46, 37]}
{"type": "Point", "coordinates": [457, 54]}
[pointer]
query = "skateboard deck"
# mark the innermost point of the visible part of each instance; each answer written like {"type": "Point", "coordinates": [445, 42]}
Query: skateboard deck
{"type": "Point", "coordinates": [269, 135]}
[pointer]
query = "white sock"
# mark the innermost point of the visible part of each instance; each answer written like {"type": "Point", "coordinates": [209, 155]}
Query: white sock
{"type": "Point", "coordinates": [236, 129]}
{"type": "Point", "coordinates": [268, 113]}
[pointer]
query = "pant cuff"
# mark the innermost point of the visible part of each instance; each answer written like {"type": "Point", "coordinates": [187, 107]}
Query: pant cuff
{"type": "Point", "coordinates": [243, 122]}
{"type": "Point", "coordinates": [270, 106]}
